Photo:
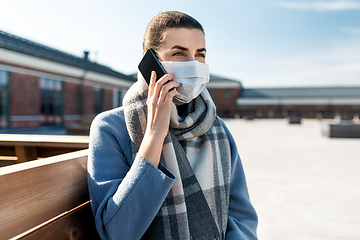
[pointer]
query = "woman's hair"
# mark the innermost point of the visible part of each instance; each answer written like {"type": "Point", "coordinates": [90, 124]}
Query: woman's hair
{"type": "Point", "coordinates": [154, 34]}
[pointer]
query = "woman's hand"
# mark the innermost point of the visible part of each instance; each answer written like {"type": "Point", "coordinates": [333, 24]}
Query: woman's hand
{"type": "Point", "coordinates": [159, 108]}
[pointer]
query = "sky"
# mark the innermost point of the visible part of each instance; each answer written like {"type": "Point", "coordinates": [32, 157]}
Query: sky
{"type": "Point", "coordinates": [262, 43]}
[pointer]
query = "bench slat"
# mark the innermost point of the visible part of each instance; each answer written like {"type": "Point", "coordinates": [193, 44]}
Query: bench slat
{"type": "Point", "coordinates": [34, 192]}
{"type": "Point", "coordinates": [44, 152]}
{"type": "Point", "coordinates": [76, 224]}
{"type": "Point", "coordinates": [32, 140]}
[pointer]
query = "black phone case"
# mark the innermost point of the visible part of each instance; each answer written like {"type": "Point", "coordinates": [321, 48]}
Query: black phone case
{"type": "Point", "coordinates": [151, 63]}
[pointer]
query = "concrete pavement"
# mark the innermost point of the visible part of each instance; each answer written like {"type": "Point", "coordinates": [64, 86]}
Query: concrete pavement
{"type": "Point", "coordinates": [303, 185]}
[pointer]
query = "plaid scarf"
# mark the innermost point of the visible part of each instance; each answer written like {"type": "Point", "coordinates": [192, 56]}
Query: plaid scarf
{"type": "Point", "coordinates": [197, 151]}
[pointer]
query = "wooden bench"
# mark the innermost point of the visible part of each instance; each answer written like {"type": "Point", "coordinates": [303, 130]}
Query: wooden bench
{"type": "Point", "coordinates": [18, 148]}
{"type": "Point", "coordinates": [47, 199]}
{"type": "Point", "coordinates": [295, 120]}
{"type": "Point", "coordinates": [83, 128]}
{"type": "Point", "coordinates": [344, 129]}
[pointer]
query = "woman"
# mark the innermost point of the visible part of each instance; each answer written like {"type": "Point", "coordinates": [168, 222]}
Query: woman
{"type": "Point", "coordinates": [164, 166]}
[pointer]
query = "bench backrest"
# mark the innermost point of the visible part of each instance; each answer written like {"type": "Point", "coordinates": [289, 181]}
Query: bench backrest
{"type": "Point", "coordinates": [46, 199]}
{"type": "Point", "coordinates": [18, 148]}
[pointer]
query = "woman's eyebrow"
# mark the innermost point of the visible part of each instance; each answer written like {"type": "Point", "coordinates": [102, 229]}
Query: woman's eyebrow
{"type": "Point", "coordinates": [186, 49]}
{"type": "Point", "coordinates": [180, 47]}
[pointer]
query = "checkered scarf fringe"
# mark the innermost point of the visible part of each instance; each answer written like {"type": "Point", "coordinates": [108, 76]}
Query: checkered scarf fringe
{"type": "Point", "coordinates": [197, 151]}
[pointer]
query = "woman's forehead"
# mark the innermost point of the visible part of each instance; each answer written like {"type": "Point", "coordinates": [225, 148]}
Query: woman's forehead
{"type": "Point", "coordinates": [188, 38]}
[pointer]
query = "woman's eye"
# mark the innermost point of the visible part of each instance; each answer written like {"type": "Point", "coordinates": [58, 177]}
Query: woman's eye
{"type": "Point", "coordinates": [178, 54]}
{"type": "Point", "coordinates": [202, 55]}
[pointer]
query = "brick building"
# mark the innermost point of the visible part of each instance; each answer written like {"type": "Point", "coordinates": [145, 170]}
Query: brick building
{"type": "Point", "coordinates": [315, 102]}
{"type": "Point", "coordinates": [41, 86]}
{"type": "Point", "coordinates": [224, 92]}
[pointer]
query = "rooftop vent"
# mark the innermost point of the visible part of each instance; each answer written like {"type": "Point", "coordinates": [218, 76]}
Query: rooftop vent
{"type": "Point", "coordinates": [86, 55]}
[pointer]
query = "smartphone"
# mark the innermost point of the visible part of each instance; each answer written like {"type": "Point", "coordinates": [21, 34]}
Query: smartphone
{"type": "Point", "coordinates": [151, 63]}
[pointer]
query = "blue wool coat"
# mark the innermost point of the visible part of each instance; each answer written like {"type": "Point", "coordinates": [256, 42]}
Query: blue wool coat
{"type": "Point", "coordinates": [126, 194]}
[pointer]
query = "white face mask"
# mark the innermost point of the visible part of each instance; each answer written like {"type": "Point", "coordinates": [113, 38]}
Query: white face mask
{"type": "Point", "coordinates": [192, 76]}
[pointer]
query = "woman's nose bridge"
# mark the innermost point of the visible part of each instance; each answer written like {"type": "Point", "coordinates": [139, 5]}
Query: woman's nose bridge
{"type": "Point", "coordinates": [191, 57]}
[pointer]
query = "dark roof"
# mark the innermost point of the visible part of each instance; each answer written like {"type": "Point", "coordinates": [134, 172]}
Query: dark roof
{"type": "Point", "coordinates": [215, 78]}
{"type": "Point", "coordinates": [21, 45]}
{"type": "Point", "coordinates": [299, 92]}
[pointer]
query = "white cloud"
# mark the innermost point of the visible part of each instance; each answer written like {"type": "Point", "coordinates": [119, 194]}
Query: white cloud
{"type": "Point", "coordinates": [337, 5]}
{"type": "Point", "coordinates": [349, 67]}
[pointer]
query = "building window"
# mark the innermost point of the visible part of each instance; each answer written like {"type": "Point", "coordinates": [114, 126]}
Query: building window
{"type": "Point", "coordinates": [4, 99]}
{"type": "Point", "coordinates": [227, 94]}
{"type": "Point", "coordinates": [118, 97]}
{"type": "Point", "coordinates": [213, 94]}
{"type": "Point", "coordinates": [259, 113]}
{"type": "Point", "coordinates": [285, 113]}
{"type": "Point", "coordinates": [51, 102]}
{"type": "Point", "coordinates": [98, 101]}
{"type": "Point", "coordinates": [271, 113]}
{"type": "Point", "coordinates": [319, 115]}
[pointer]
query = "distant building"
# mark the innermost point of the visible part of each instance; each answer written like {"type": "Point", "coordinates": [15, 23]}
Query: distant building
{"type": "Point", "coordinates": [224, 92]}
{"type": "Point", "coordinates": [315, 102]}
{"type": "Point", "coordinates": [41, 86]}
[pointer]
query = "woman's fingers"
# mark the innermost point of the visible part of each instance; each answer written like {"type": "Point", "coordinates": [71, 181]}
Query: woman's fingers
{"type": "Point", "coordinates": [152, 83]}
{"type": "Point", "coordinates": [160, 83]}
{"type": "Point", "coordinates": [166, 93]}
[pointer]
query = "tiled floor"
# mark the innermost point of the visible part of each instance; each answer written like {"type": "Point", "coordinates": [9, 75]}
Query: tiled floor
{"type": "Point", "coordinates": [304, 186]}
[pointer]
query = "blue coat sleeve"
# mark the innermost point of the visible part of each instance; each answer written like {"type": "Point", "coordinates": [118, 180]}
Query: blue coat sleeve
{"type": "Point", "coordinates": [125, 194]}
{"type": "Point", "coordinates": [242, 218]}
